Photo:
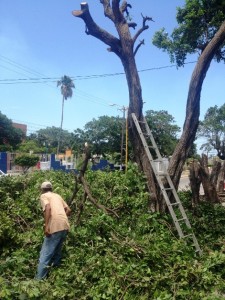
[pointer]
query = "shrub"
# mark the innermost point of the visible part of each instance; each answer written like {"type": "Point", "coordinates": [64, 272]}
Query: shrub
{"type": "Point", "coordinates": [137, 256]}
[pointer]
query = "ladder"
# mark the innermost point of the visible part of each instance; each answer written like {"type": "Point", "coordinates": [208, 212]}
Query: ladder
{"type": "Point", "coordinates": [165, 183]}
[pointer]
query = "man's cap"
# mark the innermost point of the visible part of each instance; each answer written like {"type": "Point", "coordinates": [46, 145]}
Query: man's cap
{"type": "Point", "coordinates": [46, 185]}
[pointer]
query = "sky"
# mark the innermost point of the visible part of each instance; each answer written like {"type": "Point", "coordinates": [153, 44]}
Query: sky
{"type": "Point", "coordinates": [42, 39]}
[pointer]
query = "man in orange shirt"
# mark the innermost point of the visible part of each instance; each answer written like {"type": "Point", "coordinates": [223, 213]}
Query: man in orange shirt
{"type": "Point", "coordinates": [55, 228]}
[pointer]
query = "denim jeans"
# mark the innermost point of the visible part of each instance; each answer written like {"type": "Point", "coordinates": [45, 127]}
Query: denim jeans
{"type": "Point", "coordinates": [50, 252]}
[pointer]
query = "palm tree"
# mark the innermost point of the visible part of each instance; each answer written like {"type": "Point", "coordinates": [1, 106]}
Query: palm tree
{"type": "Point", "coordinates": [67, 85]}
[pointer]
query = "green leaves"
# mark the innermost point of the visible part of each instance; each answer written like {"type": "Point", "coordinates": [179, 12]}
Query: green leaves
{"type": "Point", "coordinates": [198, 22]}
{"type": "Point", "coordinates": [137, 256]}
{"type": "Point", "coordinates": [26, 161]}
{"type": "Point", "coordinates": [212, 128]}
{"type": "Point", "coordinates": [9, 136]}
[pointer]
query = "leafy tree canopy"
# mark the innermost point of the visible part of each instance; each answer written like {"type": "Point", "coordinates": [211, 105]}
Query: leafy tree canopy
{"type": "Point", "coordinates": [30, 145]}
{"type": "Point", "coordinates": [104, 134]}
{"type": "Point", "coordinates": [26, 161]}
{"type": "Point", "coordinates": [78, 138]}
{"type": "Point", "coordinates": [164, 130]}
{"type": "Point", "coordinates": [213, 129]}
{"type": "Point", "coordinates": [48, 138]}
{"type": "Point", "coordinates": [10, 137]}
{"type": "Point", "coordinates": [198, 21]}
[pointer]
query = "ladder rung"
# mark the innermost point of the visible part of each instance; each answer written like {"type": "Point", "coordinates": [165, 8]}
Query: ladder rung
{"type": "Point", "coordinates": [185, 236]}
{"type": "Point", "coordinates": [182, 219]}
{"type": "Point", "coordinates": [175, 203]}
{"type": "Point", "coordinates": [168, 189]}
{"type": "Point", "coordinates": [197, 250]}
{"type": "Point", "coordinates": [161, 174]}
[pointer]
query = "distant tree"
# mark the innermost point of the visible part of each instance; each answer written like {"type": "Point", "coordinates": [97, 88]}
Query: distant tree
{"type": "Point", "coordinates": [78, 140]}
{"type": "Point", "coordinates": [213, 129]}
{"type": "Point", "coordinates": [66, 84]}
{"type": "Point", "coordinates": [201, 31]}
{"type": "Point", "coordinates": [104, 134]}
{"type": "Point", "coordinates": [10, 137]}
{"type": "Point", "coordinates": [164, 130]}
{"type": "Point", "coordinates": [48, 138]}
{"type": "Point", "coordinates": [26, 161]}
{"type": "Point", "coordinates": [30, 145]}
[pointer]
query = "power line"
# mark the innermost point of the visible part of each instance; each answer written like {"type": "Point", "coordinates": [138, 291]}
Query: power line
{"type": "Point", "coordinates": [78, 77]}
{"type": "Point", "coordinates": [20, 67]}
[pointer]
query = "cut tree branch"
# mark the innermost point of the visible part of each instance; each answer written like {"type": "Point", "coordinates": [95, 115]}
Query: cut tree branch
{"type": "Point", "coordinates": [144, 27]}
{"type": "Point", "coordinates": [138, 46]}
{"type": "Point", "coordinates": [94, 201]}
{"type": "Point", "coordinates": [93, 29]}
{"type": "Point", "coordinates": [107, 9]}
{"type": "Point", "coordinates": [116, 10]}
{"type": "Point", "coordinates": [124, 8]}
{"type": "Point", "coordinates": [87, 194]}
{"type": "Point", "coordinates": [132, 24]}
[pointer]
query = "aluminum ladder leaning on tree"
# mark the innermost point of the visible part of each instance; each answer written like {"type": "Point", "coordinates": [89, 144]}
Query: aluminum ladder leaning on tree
{"type": "Point", "coordinates": [165, 183]}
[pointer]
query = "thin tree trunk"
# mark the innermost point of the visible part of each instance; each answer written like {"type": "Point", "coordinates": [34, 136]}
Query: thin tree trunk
{"type": "Point", "coordinates": [60, 132]}
{"type": "Point", "coordinates": [208, 186]}
{"type": "Point", "coordinates": [195, 182]}
{"type": "Point", "coordinates": [221, 177]}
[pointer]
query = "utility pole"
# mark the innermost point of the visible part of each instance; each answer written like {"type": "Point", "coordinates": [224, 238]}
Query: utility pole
{"type": "Point", "coordinates": [124, 133]}
{"type": "Point", "coordinates": [122, 136]}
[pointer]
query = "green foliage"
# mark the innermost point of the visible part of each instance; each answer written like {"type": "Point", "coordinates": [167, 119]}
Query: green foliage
{"type": "Point", "coordinates": [47, 139]}
{"type": "Point", "coordinates": [10, 137]}
{"type": "Point", "coordinates": [26, 161]}
{"type": "Point", "coordinates": [104, 134]}
{"type": "Point", "coordinates": [30, 145]}
{"type": "Point", "coordinates": [137, 256]}
{"type": "Point", "coordinates": [212, 128]}
{"type": "Point", "coordinates": [198, 21]}
{"type": "Point", "coordinates": [164, 130]}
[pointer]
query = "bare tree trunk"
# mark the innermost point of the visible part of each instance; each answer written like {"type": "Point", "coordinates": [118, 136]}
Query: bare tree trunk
{"type": "Point", "coordinates": [195, 182]}
{"type": "Point", "coordinates": [193, 106]}
{"type": "Point", "coordinates": [208, 185]}
{"type": "Point", "coordinates": [124, 49]}
{"type": "Point", "coordinates": [214, 175]}
{"type": "Point", "coordinates": [61, 124]}
{"type": "Point", "coordinates": [221, 177]}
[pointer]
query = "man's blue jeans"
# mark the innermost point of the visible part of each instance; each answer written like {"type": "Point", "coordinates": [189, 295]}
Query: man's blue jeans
{"type": "Point", "coordinates": [51, 252]}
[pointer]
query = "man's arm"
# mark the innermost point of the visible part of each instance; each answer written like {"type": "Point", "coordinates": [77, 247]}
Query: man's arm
{"type": "Point", "coordinates": [47, 215]}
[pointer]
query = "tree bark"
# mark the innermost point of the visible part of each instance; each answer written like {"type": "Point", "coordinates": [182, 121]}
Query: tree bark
{"type": "Point", "coordinates": [193, 106]}
{"type": "Point", "coordinates": [220, 183]}
{"type": "Point", "coordinates": [124, 49]}
{"type": "Point", "coordinates": [209, 186]}
{"type": "Point", "coordinates": [195, 182]}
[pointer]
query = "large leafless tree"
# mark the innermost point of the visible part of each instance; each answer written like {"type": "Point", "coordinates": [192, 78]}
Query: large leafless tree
{"type": "Point", "coordinates": [126, 46]}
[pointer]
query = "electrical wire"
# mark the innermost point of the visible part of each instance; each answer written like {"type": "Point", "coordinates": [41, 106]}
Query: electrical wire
{"type": "Point", "coordinates": [78, 77]}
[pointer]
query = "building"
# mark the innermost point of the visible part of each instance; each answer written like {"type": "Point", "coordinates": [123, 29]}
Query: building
{"type": "Point", "coordinates": [23, 127]}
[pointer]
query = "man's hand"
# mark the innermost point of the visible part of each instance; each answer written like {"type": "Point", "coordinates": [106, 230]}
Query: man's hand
{"type": "Point", "coordinates": [46, 230]}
